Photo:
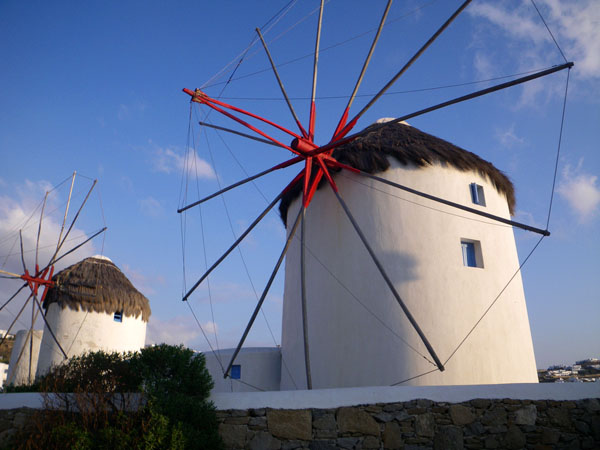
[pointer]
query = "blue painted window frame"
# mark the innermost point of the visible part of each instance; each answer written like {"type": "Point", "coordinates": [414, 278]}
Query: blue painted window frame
{"type": "Point", "coordinates": [236, 372]}
{"type": "Point", "coordinates": [468, 254]}
{"type": "Point", "coordinates": [118, 317]}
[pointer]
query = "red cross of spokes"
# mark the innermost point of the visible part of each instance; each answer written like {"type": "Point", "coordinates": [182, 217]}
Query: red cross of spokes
{"type": "Point", "coordinates": [41, 278]}
{"type": "Point", "coordinates": [302, 145]}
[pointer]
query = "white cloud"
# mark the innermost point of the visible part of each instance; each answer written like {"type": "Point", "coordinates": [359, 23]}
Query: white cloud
{"type": "Point", "coordinates": [574, 25]}
{"type": "Point", "coordinates": [210, 327]}
{"type": "Point", "coordinates": [150, 206]}
{"type": "Point", "coordinates": [175, 331]}
{"type": "Point", "coordinates": [508, 138]}
{"type": "Point", "coordinates": [580, 191]}
{"type": "Point", "coordinates": [20, 210]}
{"type": "Point", "coordinates": [143, 283]}
{"type": "Point", "coordinates": [168, 161]}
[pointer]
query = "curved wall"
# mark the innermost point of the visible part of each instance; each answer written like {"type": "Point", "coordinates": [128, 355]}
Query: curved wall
{"type": "Point", "coordinates": [18, 366]}
{"type": "Point", "coordinates": [79, 332]}
{"type": "Point", "coordinates": [419, 243]}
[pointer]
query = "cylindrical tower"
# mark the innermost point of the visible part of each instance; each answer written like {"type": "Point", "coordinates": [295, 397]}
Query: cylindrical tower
{"type": "Point", "coordinates": [447, 265]}
{"type": "Point", "coordinates": [22, 367]}
{"type": "Point", "coordinates": [92, 306]}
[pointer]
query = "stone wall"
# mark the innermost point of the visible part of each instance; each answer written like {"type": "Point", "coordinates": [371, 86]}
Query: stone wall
{"type": "Point", "coordinates": [12, 420]}
{"type": "Point", "coordinates": [410, 425]}
{"type": "Point", "coordinates": [419, 424]}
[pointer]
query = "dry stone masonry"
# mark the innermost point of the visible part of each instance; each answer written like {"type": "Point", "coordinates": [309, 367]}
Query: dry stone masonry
{"type": "Point", "coordinates": [419, 424]}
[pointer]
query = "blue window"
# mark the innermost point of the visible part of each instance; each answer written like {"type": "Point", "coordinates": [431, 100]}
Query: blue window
{"type": "Point", "coordinates": [118, 316]}
{"type": "Point", "coordinates": [477, 195]}
{"type": "Point", "coordinates": [236, 372]}
{"type": "Point", "coordinates": [468, 254]}
{"type": "Point", "coordinates": [471, 253]}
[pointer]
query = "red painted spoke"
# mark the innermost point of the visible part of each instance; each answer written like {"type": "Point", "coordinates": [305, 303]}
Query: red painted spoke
{"type": "Point", "coordinates": [247, 125]}
{"type": "Point", "coordinates": [209, 100]}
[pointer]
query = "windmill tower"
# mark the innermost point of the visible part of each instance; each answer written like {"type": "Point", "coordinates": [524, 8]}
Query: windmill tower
{"type": "Point", "coordinates": [447, 267]}
{"type": "Point", "coordinates": [92, 306]}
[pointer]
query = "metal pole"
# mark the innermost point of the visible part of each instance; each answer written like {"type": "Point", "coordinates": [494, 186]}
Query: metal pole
{"type": "Point", "coordinates": [303, 292]}
{"type": "Point", "coordinates": [383, 273]}
{"type": "Point", "coordinates": [302, 130]}
{"type": "Point", "coordinates": [411, 61]}
{"type": "Point", "coordinates": [463, 98]}
{"type": "Point", "coordinates": [448, 202]}
{"type": "Point", "coordinates": [244, 181]}
{"type": "Point", "coordinates": [239, 133]}
{"type": "Point", "coordinates": [311, 124]}
{"type": "Point", "coordinates": [54, 261]}
{"type": "Point", "coordinates": [344, 117]}
{"type": "Point", "coordinates": [233, 246]}
{"type": "Point", "coordinates": [264, 294]}
{"type": "Point", "coordinates": [48, 326]}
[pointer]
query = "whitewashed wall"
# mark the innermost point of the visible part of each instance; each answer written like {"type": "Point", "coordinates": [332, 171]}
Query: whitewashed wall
{"type": "Point", "coordinates": [79, 332]}
{"type": "Point", "coordinates": [419, 243]}
{"type": "Point", "coordinates": [18, 372]}
{"type": "Point", "coordinates": [260, 369]}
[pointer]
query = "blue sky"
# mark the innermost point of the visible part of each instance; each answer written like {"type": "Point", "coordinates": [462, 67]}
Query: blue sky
{"type": "Point", "coordinates": [96, 88]}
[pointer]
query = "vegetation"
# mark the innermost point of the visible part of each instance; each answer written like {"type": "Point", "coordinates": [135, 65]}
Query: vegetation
{"type": "Point", "coordinates": [153, 399]}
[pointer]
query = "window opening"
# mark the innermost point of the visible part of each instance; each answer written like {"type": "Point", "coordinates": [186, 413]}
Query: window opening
{"type": "Point", "coordinates": [236, 372]}
{"type": "Point", "coordinates": [118, 316]}
{"type": "Point", "coordinates": [477, 195]}
{"type": "Point", "coordinates": [471, 253]}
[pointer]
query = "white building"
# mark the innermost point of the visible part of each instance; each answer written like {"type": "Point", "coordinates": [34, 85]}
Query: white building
{"type": "Point", "coordinates": [92, 306]}
{"type": "Point", "coordinates": [22, 367]}
{"type": "Point", "coordinates": [447, 265]}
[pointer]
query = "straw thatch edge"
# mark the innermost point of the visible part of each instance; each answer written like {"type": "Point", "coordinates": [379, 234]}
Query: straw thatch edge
{"type": "Point", "coordinates": [97, 285]}
{"type": "Point", "coordinates": [408, 145]}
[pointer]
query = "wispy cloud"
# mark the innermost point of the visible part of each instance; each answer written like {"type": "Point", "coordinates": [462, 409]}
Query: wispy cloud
{"type": "Point", "coordinates": [142, 282]}
{"type": "Point", "coordinates": [574, 25]}
{"type": "Point", "coordinates": [20, 210]}
{"type": "Point", "coordinates": [175, 331]}
{"type": "Point", "coordinates": [580, 191]}
{"type": "Point", "coordinates": [150, 206]}
{"type": "Point", "coordinates": [508, 137]}
{"type": "Point", "coordinates": [169, 160]}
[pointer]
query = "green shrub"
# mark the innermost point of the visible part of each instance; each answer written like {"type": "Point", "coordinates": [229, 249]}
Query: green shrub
{"type": "Point", "coordinates": [84, 400]}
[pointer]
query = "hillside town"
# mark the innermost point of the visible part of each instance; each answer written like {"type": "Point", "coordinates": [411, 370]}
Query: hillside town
{"type": "Point", "coordinates": [586, 370]}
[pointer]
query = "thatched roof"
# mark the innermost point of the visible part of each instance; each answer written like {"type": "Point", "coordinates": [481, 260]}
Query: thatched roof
{"type": "Point", "coordinates": [408, 145]}
{"type": "Point", "coordinates": [96, 284]}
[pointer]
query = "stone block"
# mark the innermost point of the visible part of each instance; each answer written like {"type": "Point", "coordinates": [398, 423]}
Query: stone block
{"type": "Point", "coordinates": [347, 442]}
{"type": "Point", "coordinates": [514, 438]}
{"type": "Point", "coordinates": [234, 436]}
{"type": "Point", "coordinates": [481, 403]}
{"type": "Point", "coordinates": [550, 436]}
{"type": "Point", "coordinates": [392, 435]}
{"type": "Point", "coordinates": [526, 415]}
{"type": "Point", "coordinates": [371, 442]}
{"type": "Point", "coordinates": [559, 416]}
{"type": "Point", "coordinates": [461, 415]}
{"type": "Point", "coordinates": [325, 422]}
{"type": "Point", "coordinates": [290, 424]}
{"type": "Point", "coordinates": [257, 422]}
{"type": "Point", "coordinates": [355, 420]}
{"type": "Point", "coordinates": [424, 425]}
{"type": "Point", "coordinates": [448, 438]}
{"type": "Point", "coordinates": [322, 445]}
{"type": "Point", "coordinates": [494, 416]}
{"type": "Point", "coordinates": [264, 441]}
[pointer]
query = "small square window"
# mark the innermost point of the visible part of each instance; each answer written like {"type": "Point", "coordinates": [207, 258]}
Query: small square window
{"type": "Point", "coordinates": [236, 372]}
{"type": "Point", "coordinates": [118, 316]}
{"type": "Point", "coordinates": [477, 195]}
{"type": "Point", "coordinates": [471, 253]}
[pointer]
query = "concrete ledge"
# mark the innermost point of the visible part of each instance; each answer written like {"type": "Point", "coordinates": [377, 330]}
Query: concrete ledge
{"type": "Point", "coordinates": [334, 398]}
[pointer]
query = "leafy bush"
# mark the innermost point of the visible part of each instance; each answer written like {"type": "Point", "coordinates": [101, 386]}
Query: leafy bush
{"type": "Point", "coordinates": [89, 405]}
